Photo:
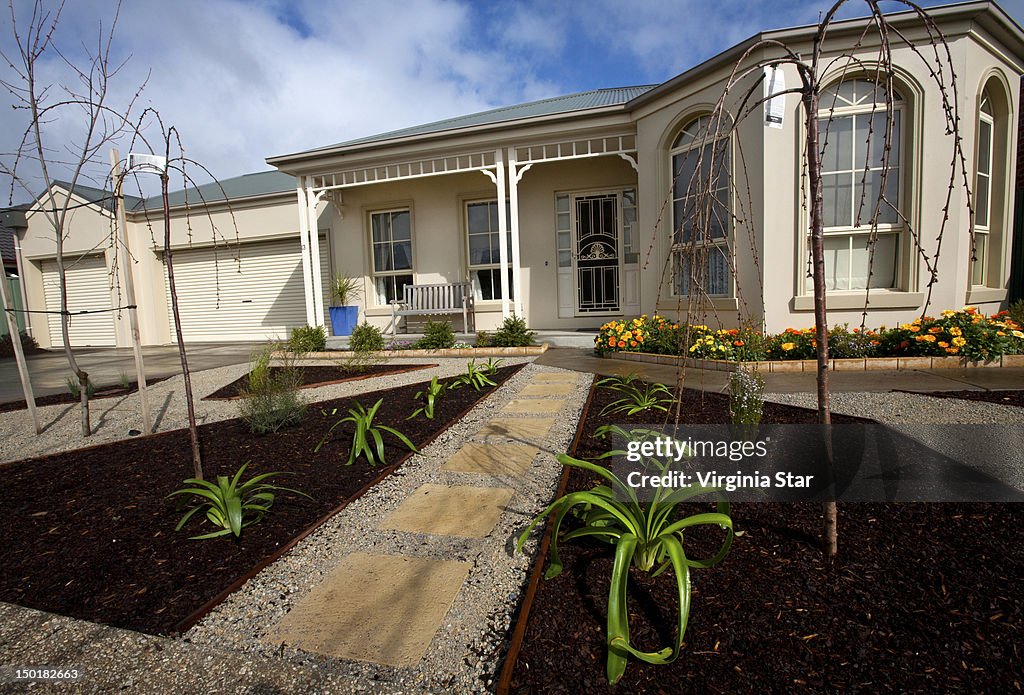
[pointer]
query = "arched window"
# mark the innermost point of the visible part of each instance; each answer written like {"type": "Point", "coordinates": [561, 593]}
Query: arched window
{"type": "Point", "coordinates": [701, 210]}
{"type": "Point", "coordinates": [853, 129]}
{"type": "Point", "coordinates": [983, 193]}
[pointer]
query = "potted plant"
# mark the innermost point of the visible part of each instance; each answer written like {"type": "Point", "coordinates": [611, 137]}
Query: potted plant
{"type": "Point", "coordinates": [345, 314]}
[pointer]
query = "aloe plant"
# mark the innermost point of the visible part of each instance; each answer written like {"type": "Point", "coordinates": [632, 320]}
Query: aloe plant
{"type": "Point", "coordinates": [475, 376]}
{"type": "Point", "coordinates": [646, 535]}
{"type": "Point", "coordinates": [365, 432]}
{"type": "Point", "coordinates": [434, 390]}
{"type": "Point", "coordinates": [492, 365]}
{"type": "Point", "coordinates": [229, 506]}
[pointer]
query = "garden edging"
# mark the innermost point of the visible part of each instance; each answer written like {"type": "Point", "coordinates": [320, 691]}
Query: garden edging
{"type": "Point", "coordinates": [529, 351]}
{"type": "Point", "coordinates": [839, 365]}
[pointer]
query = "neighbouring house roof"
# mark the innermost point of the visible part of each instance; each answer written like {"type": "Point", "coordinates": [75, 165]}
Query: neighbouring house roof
{"type": "Point", "coordinates": [10, 260]}
{"type": "Point", "coordinates": [246, 186]}
{"type": "Point", "coordinates": [99, 196]}
{"type": "Point", "coordinates": [569, 104]}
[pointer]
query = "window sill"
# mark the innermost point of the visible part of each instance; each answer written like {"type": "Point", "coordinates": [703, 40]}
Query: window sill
{"type": "Point", "coordinates": [717, 303]}
{"type": "Point", "coordinates": [878, 299]}
{"type": "Point", "coordinates": [984, 295]}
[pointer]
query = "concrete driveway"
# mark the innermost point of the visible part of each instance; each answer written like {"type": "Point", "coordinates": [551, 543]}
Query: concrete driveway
{"type": "Point", "coordinates": [105, 365]}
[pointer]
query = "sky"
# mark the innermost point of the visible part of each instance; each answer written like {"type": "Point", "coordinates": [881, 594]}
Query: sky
{"type": "Point", "coordinates": [242, 80]}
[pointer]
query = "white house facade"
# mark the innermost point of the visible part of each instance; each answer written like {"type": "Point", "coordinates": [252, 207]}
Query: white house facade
{"type": "Point", "coordinates": [569, 211]}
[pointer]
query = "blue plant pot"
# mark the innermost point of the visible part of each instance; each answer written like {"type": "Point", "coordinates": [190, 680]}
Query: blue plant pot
{"type": "Point", "coordinates": [344, 319]}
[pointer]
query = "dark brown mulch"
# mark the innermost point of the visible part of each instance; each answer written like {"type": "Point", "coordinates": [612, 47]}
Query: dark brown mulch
{"type": "Point", "coordinates": [318, 376]}
{"type": "Point", "coordinates": [90, 533]}
{"type": "Point", "coordinates": [923, 598]}
{"type": "Point", "coordinates": [116, 391]}
{"type": "Point", "coordinates": [1006, 397]}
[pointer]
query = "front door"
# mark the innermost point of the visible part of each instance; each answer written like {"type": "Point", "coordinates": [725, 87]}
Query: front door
{"type": "Point", "coordinates": [597, 254]}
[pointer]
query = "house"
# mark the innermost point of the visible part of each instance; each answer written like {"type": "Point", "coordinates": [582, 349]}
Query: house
{"type": "Point", "coordinates": [10, 220]}
{"type": "Point", "coordinates": [568, 211]}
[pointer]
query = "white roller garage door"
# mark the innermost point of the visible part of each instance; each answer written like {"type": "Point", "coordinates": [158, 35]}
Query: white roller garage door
{"type": "Point", "coordinates": [260, 298]}
{"type": "Point", "coordinates": [88, 286]}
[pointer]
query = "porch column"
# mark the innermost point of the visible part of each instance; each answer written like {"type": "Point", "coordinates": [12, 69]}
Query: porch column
{"type": "Point", "coordinates": [499, 161]}
{"type": "Point", "coordinates": [513, 194]}
{"type": "Point", "coordinates": [312, 199]}
{"type": "Point", "coordinates": [307, 271]}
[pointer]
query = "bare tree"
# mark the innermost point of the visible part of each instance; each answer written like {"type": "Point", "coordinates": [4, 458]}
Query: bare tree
{"type": "Point", "coordinates": [101, 125]}
{"type": "Point", "coordinates": [713, 179]}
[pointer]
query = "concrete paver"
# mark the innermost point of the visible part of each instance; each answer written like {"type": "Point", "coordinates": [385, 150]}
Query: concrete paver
{"type": "Point", "coordinates": [464, 511]}
{"type": "Point", "coordinates": [546, 389]}
{"type": "Point", "coordinates": [539, 406]}
{"type": "Point", "coordinates": [379, 608]}
{"type": "Point", "coordinates": [529, 429]}
{"type": "Point", "coordinates": [555, 377]}
{"type": "Point", "coordinates": [492, 459]}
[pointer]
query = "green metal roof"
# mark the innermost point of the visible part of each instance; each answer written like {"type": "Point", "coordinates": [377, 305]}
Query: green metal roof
{"type": "Point", "coordinates": [570, 103]}
{"type": "Point", "coordinates": [245, 186]}
{"type": "Point", "coordinates": [99, 196]}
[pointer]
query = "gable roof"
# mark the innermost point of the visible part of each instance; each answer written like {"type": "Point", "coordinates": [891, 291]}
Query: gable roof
{"type": "Point", "coordinates": [253, 185]}
{"type": "Point", "coordinates": [97, 196]}
{"type": "Point", "coordinates": [570, 103]}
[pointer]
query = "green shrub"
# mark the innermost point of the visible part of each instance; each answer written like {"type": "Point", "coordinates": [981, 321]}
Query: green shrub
{"type": "Point", "coordinates": [482, 339]}
{"type": "Point", "coordinates": [308, 339]}
{"type": "Point", "coordinates": [365, 433]}
{"type": "Point", "coordinates": [475, 376]}
{"type": "Point", "coordinates": [437, 335]}
{"type": "Point", "coordinates": [366, 338]}
{"type": "Point", "coordinates": [28, 344]}
{"type": "Point", "coordinates": [271, 398]}
{"type": "Point", "coordinates": [1016, 312]}
{"type": "Point", "coordinates": [74, 389]}
{"type": "Point", "coordinates": [638, 396]}
{"type": "Point", "coordinates": [229, 506]}
{"type": "Point", "coordinates": [513, 333]}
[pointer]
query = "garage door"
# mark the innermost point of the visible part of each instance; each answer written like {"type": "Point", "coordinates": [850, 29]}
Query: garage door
{"type": "Point", "coordinates": [88, 290]}
{"type": "Point", "coordinates": [258, 298]}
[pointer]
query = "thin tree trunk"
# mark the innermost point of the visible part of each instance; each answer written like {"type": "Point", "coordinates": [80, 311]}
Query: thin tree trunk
{"type": "Point", "coordinates": [19, 354]}
{"type": "Point", "coordinates": [820, 315]}
{"type": "Point", "coordinates": [197, 463]}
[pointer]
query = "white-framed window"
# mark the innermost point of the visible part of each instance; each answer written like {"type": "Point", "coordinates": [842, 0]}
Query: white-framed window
{"type": "Point", "coordinates": [483, 237]}
{"type": "Point", "coordinates": [701, 210]}
{"type": "Point", "coordinates": [983, 191]}
{"type": "Point", "coordinates": [391, 236]}
{"type": "Point", "coordinates": [852, 133]}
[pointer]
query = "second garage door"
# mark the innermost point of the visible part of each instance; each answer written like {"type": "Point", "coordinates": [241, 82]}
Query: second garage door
{"type": "Point", "coordinates": [258, 297]}
{"type": "Point", "coordinates": [88, 284]}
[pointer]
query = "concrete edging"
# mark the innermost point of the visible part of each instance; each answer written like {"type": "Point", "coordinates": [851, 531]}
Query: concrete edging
{"type": "Point", "coordinates": [859, 364]}
{"type": "Point", "coordinates": [530, 351]}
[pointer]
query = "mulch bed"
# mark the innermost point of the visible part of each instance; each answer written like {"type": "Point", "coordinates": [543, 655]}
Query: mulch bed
{"type": "Point", "coordinates": [923, 598]}
{"type": "Point", "coordinates": [116, 391]}
{"type": "Point", "coordinates": [1006, 397]}
{"type": "Point", "coordinates": [318, 376]}
{"type": "Point", "coordinates": [90, 533]}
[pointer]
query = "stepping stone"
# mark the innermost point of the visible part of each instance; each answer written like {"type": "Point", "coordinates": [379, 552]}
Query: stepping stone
{"type": "Point", "coordinates": [543, 390]}
{"type": "Point", "coordinates": [492, 459]}
{"type": "Point", "coordinates": [546, 406]}
{"type": "Point", "coordinates": [531, 429]}
{"type": "Point", "coordinates": [465, 511]}
{"type": "Point", "coordinates": [379, 608]}
{"type": "Point", "coordinates": [556, 377]}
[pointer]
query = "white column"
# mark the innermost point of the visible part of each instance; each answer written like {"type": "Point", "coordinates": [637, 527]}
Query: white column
{"type": "Point", "coordinates": [513, 193]}
{"type": "Point", "coordinates": [314, 252]}
{"type": "Point", "coordinates": [499, 161]}
{"type": "Point", "coordinates": [307, 273]}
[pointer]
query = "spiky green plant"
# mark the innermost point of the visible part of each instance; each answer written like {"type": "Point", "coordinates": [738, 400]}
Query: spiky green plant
{"type": "Point", "coordinates": [434, 390]}
{"type": "Point", "coordinates": [647, 535]}
{"type": "Point", "coordinates": [475, 376]}
{"type": "Point", "coordinates": [491, 366]}
{"type": "Point", "coordinates": [365, 433]}
{"type": "Point", "coordinates": [637, 396]}
{"type": "Point", "coordinates": [229, 506]}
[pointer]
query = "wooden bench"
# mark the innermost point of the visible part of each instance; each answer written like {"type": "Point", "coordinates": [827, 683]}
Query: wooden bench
{"type": "Point", "coordinates": [426, 300]}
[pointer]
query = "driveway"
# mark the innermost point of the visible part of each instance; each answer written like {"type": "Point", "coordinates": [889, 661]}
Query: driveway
{"type": "Point", "coordinates": [105, 365]}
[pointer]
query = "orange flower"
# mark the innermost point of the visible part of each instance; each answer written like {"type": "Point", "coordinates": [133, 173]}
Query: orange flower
{"type": "Point", "coordinates": [738, 343]}
{"type": "Point", "coordinates": [622, 343]}
{"type": "Point", "coordinates": [611, 342]}
{"type": "Point", "coordinates": [935, 329]}
{"type": "Point", "coordinates": [632, 343]}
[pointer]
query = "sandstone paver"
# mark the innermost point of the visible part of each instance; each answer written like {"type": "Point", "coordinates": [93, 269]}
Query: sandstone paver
{"type": "Point", "coordinates": [462, 510]}
{"type": "Point", "coordinates": [539, 406]}
{"type": "Point", "coordinates": [545, 389]}
{"type": "Point", "coordinates": [532, 430]}
{"type": "Point", "coordinates": [492, 459]}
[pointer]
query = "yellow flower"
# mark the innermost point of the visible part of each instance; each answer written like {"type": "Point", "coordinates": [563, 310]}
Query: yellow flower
{"type": "Point", "coordinates": [955, 330]}
{"type": "Point", "coordinates": [959, 342]}
{"type": "Point", "coordinates": [1018, 334]}
{"type": "Point", "coordinates": [787, 347]}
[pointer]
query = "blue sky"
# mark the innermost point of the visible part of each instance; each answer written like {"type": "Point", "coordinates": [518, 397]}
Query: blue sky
{"type": "Point", "coordinates": [246, 79]}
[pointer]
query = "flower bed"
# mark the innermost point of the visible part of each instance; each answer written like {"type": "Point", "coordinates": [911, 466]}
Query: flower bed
{"type": "Point", "coordinates": [965, 335]}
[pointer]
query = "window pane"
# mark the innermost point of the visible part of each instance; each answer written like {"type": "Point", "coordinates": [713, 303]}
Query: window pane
{"type": "Point", "coordinates": [837, 262]}
{"type": "Point", "coordinates": [980, 252]}
{"type": "Point", "coordinates": [400, 228]}
{"type": "Point", "coordinates": [883, 265]}
{"type": "Point", "coordinates": [684, 165]}
{"type": "Point", "coordinates": [379, 224]}
{"type": "Point", "coordinates": [480, 249]}
{"type": "Point", "coordinates": [402, 252]}
{"type": "Point", "coordinates": [985, 148]}
{"type": "Point", "coordinates": [487, 284]}
{"type": "Point", "coordinates": [564, 241]}
{"type": "Point", "coordinates": [382, 257]}
{"type": "Point", "coordinates": [837, 205]}
{"type": "Point", "coordinates": [981, 206]}
{"type": "Point", "coordinates": [870, 139]}
{"type": "Point", "coordinates": [869, 184]}
{"type": "Point", "coordinates": [562, 203]}
{"type": "Point", "coordinates": [564, 259]}
{"type": "Point", "coordinates": [837, 143]}
{"type": "Point", "coordinates": [478, 217]}
{"type": "Point", "coordinates": [712, 271]}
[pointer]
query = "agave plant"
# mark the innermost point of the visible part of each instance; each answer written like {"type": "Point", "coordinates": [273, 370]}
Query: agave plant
{"type": "Point", "coordinates": [229, 506]}
{"type": "Point", "coordinates": [492, 365]}
{"type": "Point", "coordinates": [637, 396]}
{"type": "Point", "coordinates": [365, 432]}
{"type": "Point", "coordinates": [434, 390]}
{"type": "Point", "coordinates": [475, 376]}
{"type": "Point", "coordinates": [647, 535]}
